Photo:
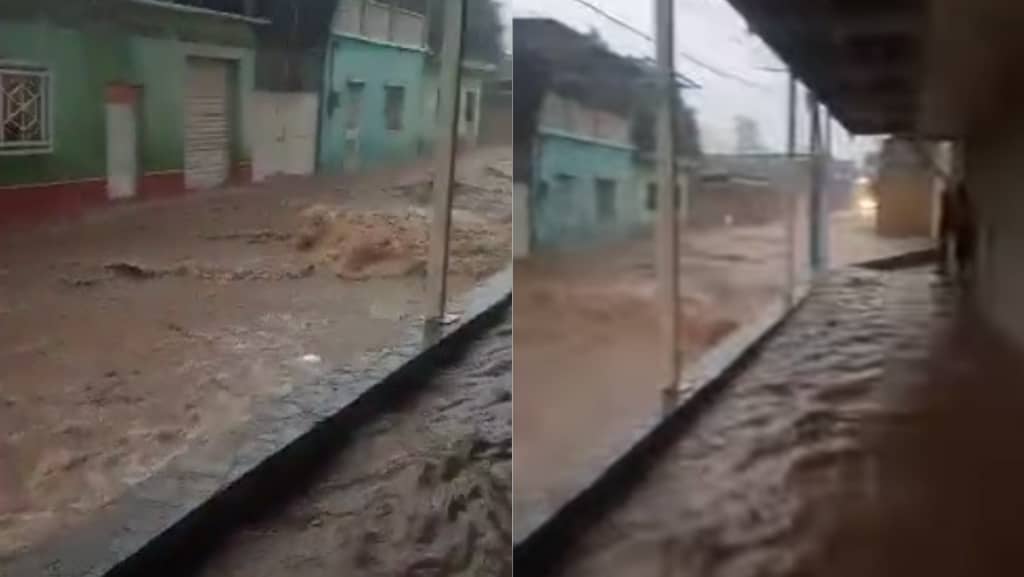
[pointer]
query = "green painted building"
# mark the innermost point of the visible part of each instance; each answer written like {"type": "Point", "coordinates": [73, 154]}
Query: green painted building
{"type": "Point", "coordinates": [145, 99]}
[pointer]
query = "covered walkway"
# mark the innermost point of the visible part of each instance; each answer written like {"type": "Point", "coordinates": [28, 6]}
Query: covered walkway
{"type": "Point", "coordinates": [876, 434]}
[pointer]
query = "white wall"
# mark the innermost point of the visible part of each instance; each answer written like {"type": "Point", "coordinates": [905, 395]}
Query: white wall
{"type": "Point", "coordinates": [573, 117]}
{"type": "Point", "coordinates": [284, 125]}
{"type": "Point", "coordinates": [376, 21]}
{"type": "Point", "coordinates": [408, 28]}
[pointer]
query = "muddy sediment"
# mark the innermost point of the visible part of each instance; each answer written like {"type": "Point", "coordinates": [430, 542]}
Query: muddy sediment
{"type": "Point", "coordinates": [146, 329]}
{"type": "Point", "coordinates": [875, 435]}
{"type": "Point", "coordinates": [425, 489]}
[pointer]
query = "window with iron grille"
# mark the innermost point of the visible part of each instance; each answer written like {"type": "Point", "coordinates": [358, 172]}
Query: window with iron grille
{"type": "Point", "coordinates": [25, 123]}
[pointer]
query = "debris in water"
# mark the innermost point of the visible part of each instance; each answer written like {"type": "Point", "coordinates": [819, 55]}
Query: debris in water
{"type": "Point", "coordinates": [311, 359]}
{"type": "Point", "coordinates": [130, 270]}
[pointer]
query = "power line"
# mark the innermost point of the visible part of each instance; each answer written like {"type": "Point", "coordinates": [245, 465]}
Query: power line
{"type": "Point", "coordinates": [693, 59]}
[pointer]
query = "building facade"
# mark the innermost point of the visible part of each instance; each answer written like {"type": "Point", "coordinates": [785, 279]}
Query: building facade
{"type": "Point", "coordinates": [581, 177]}
{"type": "Point", "coordinates": [104, 105]}
{"type": "Point", "coordinates": [374, 86]}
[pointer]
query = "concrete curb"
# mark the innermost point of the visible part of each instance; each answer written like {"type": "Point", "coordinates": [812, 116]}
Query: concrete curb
{"type": "Point", "coordinates": [167, 524]}
{"type": "Point", "coordinates": [542, 547]}
{"type": "Point", "coordinates": [902, 260]}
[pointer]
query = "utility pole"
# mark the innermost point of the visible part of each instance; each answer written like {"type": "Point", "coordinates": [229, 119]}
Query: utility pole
{"type": "Point", "coordinates": [667, 233]}
{"type": "Point", "coordinates": [791, 204]}
{"type": "Point", "coordinates": [444, 170]}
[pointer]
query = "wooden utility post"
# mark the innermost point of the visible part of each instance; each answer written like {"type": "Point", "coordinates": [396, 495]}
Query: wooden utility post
{"type": "Point", "coordinates": [444, 169]}
{"type": "Point", "coordinates": [667, 232]}
{"type": "Point", "coordinates": [791, 205]}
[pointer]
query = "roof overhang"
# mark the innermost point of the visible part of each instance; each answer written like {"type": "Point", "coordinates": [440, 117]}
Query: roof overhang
{"type": "Point", "coordinates": [930, 68]}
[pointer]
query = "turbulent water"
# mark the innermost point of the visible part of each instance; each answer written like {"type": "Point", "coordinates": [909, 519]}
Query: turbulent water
{"type": "Point", "coordinates": [878, 434]}
{"type": "Point", "coordinates": [424, 490]}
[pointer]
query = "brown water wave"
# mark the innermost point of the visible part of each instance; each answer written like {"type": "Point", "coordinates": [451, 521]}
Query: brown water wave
{"type": "Point", "coordinates": [878, 434]}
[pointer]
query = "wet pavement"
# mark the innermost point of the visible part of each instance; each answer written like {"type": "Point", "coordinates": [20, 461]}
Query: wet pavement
{"type": "Point", "coordinates": [878, 433]}
{"type": "Point", "coordinates": [425, 489]}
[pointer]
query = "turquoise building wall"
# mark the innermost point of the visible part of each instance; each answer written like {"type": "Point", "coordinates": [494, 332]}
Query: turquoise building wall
{"type": "Point", "coordinates": [377, 65]}
{"type": "Point", "coordinates": [562, 218]}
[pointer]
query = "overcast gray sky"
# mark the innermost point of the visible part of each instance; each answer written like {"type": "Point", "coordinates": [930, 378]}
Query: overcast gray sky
{"type": "Point", "coordinates": [712, 32]}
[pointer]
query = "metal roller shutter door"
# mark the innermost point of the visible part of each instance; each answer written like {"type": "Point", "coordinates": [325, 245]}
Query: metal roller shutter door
{"type": "Point", "coordinates": [207, 130]}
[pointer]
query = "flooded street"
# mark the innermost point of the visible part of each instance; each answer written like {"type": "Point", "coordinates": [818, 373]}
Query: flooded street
{"type": "Point", "coordinates": [587, 338]}
{"type": "Point", "coordinates": [876, 434]}
{"type": "Point", "coordinates": [424, 489]}
{"type": "Point", "coordinates": [147, 329]}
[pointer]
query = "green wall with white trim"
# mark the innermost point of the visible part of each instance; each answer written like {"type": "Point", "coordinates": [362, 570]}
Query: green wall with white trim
{"type": "Point", "coordinates": [84, 60]}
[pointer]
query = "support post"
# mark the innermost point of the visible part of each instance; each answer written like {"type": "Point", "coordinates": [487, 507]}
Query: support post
{"type": "Point", "coordinates": [791, 204]}
{"type": "Point", "coordinates": [444, 170]}
{"type": "Point", "coordinates": [817, 204]}
{"type": "Point", "coordinates": [667, 232]}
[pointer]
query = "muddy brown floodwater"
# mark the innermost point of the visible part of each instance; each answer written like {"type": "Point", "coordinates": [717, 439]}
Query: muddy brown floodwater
{"type": "Point", "coordinates": [425, 489]}
{"type": "Point", "coordinates": [146, 329]}
{"type": "Point", "coordinates": [877, 434]}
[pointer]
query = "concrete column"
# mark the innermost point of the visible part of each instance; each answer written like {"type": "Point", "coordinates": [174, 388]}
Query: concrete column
{"type": "Point", "coordinates": [667, 233]}
{"type": "Point", "coordinates": [790, 202]}
{"type": "Point", "coordinates": [444, 169]}
{"type": "Point", "coordinates": [818, 209]}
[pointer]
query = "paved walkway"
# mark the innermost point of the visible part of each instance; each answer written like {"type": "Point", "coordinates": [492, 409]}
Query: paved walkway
{"type": "Point", "coordinates": [877, 434]}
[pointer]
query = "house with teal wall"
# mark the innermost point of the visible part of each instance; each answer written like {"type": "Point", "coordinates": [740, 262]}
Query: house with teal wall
{"type": "Point", "coordinates": [102, 102]}
{"type": "Point", "coordinates": [575, 153]}
{"type": "Point", "coordinates": [583, 138]}
{"type": "Point", "coordinates": [373, 87]}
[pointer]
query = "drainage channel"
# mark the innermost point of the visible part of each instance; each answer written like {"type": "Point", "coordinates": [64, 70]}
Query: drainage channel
{"type": "Point", "coordinates": [858, 419]}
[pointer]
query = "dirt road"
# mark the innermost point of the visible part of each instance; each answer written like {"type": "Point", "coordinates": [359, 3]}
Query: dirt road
{"type": "Point", "coordinates": [145, 329]}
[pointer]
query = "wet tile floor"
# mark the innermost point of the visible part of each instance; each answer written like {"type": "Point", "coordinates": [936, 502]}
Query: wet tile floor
{"type": "Point", "coordinates": [877, 434]}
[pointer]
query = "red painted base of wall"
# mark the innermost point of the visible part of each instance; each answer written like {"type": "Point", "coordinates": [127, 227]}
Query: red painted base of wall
{"type": "Point", "coordinates": [50, 201]}
{"type": "Point", "coordinates": [38, 203]}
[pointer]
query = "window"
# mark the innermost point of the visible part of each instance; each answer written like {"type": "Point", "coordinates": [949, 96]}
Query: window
{"type": "Point", "coordinates": [355, 104]}
{"type": "Point", "coordinates": [394, 105]}
{"type": "Point", "coordinates": [652, 197]}
{"type": "Point", "coordinates": [24, 109]}
{"type": "Point", "coordinates": [470, 107]}
{"type": "Point", "coordinates": [605, 188]}
{"type": "Point", "coordinates": [564, 184]}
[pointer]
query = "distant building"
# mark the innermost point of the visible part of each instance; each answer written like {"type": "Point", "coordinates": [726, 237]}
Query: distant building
{"type": "Point", "coordinates": [581, 177]}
